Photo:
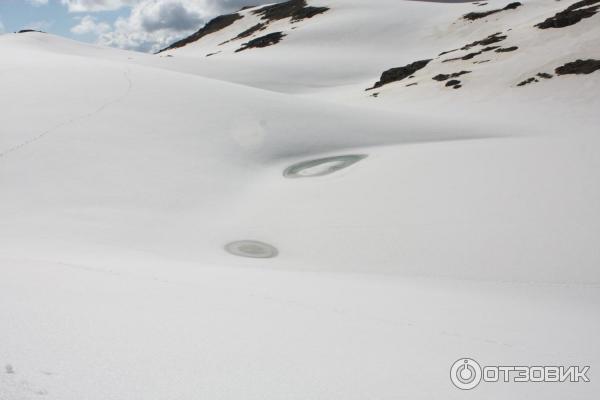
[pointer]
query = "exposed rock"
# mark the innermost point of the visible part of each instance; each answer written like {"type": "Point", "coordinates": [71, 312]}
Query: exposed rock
{"type": "Point", "coordinates": [250, 31]}
{"type": "Point", "coordinates": [494, 38]}
{"type": "Point", "coordinates": [441, 77]}
{"type": "Point", "coordinates": [214, 25]}
{"type": "Point", "coordinates": [29, 30]}
{"type": "Point", "coordinates": [527, 81]}
{"type": "Point", "coordinates": [443, 53]}
{"type": "Point", "coordinates": [453, 82]}
{"type": "Point", "coordinates": [579, 67]}
{"type": "Point", "coordinates": [465, 57]}
{"type": "Point", "coordinates": [507, 49]}
{"type": "Point", "coordinates": [477, 15]}
{"type": "Point", "coordinates": [445, 77]}
{"type": "Point", "coordinates": [491, 39]}
{"type": "Point", "coordinates": [399, 73]}
{"type": "Point", "coordinates": [308, 12]}
{"type": "Point", "coordinates": [571, 15]}
{"type": "Point", "coordinates": [456, 86]}
{"type": "Point", "coordinates": [297, 10]}
{"type": "Point", "coordinates": [263, 41]}
{"type": "Point", "coordinates": [412, 84]}
{"type": "Point", "coordinates": [490, 48]}
{"type": "Point", "coordinates": [582, 3]}
{"type": "Point", "coordinates": [545, 75]}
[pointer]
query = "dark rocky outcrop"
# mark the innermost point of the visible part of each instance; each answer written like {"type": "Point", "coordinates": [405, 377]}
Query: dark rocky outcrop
{"type": "Point", "coordinates": [576, 67]}
{"type": "Point", "coordinates": [453, 83]}
{"type": "Point", "coordinates": [263, 41]}
{"type": "Point", "coordinates": [490, 48]}
{"type": "Point", "coordinates": [534, 79]}
{"type": "Point", "coordinates": [443, 53]}
{"type": "Point", "coordinates": [571, 15]}
{"type": "Point", "coordinates": [399, 73]}
{"type": "Point", "coordinates": [478, 15]}
{"type": "Point", "coordinates": [527, 81]}
{"type": "Point", "coordinates": [492, 39]}
{"type": "Point", "coordinates": [250, 31]}
{"type": "Point", "coordinates": [468, 56]}
{"type": "Point", "coordinates": [445, 77]}
{"type": "Point", "coordinates": [579, 67]}
{"type": "Point", "coordinates": [507, 49]}
{"type": "Point", "coordinates": [212, 26]}
{"type": "Point", "coordinates": [297, 10]}
{"type": "Point", "coordinates": [582, 3]}
{"type": "Point", "coordinates": [29, 30]}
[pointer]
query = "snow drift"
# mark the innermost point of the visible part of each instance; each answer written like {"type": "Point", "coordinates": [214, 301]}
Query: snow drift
{"type": "Point", "coordinates": [467, 226]}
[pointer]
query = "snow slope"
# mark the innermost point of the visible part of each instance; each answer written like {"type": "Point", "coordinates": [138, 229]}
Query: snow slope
{"type": "Point", "coordinates": [470, 229]}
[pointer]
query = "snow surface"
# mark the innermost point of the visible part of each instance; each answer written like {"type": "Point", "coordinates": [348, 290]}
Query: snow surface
{"type": "Point", "coordinates": [470, 230]}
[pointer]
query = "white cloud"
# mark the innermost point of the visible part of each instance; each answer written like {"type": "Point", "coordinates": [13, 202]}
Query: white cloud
{"type": "Point", "coordinates": [89, 24]}
{"type": "Point", "coordinates": [151, 24]}
{"type": "Point", "coordinates": [96, 5]}
{"type": "Point", "coordinates": [37, 3]}
{"type": "Point", "coordinates": [109, 5]}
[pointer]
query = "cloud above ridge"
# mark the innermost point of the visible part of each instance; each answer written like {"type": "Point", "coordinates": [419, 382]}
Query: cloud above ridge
{"type": "Point", "coordinates": [150, 24]}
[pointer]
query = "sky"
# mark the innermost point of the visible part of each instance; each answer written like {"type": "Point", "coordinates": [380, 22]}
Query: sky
{"type": "Point", "coordinates": [141, 25]}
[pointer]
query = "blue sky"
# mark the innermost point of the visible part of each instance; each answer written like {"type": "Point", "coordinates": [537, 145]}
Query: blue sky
{"type": "Point", "coordinates": [53, 17]}
{"type": "Point", "coordinates": [142, 25]}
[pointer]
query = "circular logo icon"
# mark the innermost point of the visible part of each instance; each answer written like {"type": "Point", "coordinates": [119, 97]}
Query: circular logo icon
{"type": "Point", "coordinates": [465, 373]}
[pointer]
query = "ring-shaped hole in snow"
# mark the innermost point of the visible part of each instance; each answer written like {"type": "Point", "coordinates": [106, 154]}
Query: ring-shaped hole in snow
{"type": "Point", "coordinates": [251, 249]}
{"type": "Point", "coordinates": [322, 166]}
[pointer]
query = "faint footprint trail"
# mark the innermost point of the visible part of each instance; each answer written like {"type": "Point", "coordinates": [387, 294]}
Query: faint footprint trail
{"type": "Point", "coordinates": [73, 120]}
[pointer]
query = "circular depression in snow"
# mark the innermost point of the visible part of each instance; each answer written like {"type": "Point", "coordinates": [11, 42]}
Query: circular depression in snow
{"type": "Point", "coordinates": [322, 166]}
{"type": "Point", "coordinates": [251, 249]}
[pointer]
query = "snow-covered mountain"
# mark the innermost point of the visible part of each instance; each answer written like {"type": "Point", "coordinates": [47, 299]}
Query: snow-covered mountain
{"type": "Point", "coordinates": [309, 200]}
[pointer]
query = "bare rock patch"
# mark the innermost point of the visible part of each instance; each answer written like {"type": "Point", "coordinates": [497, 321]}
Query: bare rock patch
{"type": "Point", "coordinates": [212, 26]}
{"type": "Point", "coordinates": [507, 49]}
{"type": "Point", "coordinates": [445, 77]}
{"type": "Point", "coordinates": [472, 16]}
{"type": "Point", "coordinates": [571, 15]}
{"type": "Point", "coordinates": [262, 41]}
{"type": "Point", "coordinates": [579, 67]}
{"type": "Point", "coordinates": [399, 73]}
{"type": "Point", "coordinates": [297, 10]}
